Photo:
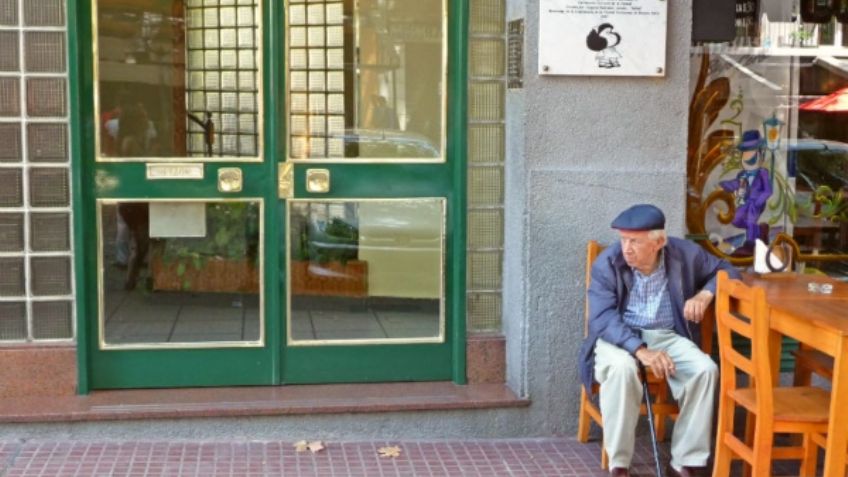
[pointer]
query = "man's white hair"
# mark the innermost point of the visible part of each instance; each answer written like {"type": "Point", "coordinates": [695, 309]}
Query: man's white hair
{"type": "Point", "coordinates": [656, 234]}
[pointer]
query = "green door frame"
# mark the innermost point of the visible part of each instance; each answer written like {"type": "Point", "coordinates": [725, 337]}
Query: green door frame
{"type": "Point", "coordinates": [82, 114]}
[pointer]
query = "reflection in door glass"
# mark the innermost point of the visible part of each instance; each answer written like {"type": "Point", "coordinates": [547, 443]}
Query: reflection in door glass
{"type": "Point", "coordinates": [180, 272]}
{"type": "Point", "coordinates": [178, 78]}
{"type": "Point", "coordinates": [366, 78]}
{"type": "Point", "coordinates": [366, 270]}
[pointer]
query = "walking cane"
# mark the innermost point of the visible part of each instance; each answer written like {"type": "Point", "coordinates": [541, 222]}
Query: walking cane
{"type": "Point", "coordinates": [650, 419]}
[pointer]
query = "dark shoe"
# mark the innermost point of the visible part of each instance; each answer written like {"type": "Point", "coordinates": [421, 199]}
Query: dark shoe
{"type": "Point", "coordinates": [620, 472]}
{"type": "Point", "coordinates": [685, 471]}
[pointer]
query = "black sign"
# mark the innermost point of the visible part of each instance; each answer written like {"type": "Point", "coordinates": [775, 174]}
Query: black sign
{"type": "Point", "coordinates": [515, 54]}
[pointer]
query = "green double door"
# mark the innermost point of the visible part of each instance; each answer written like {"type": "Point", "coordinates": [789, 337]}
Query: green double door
{"type": "Point", "coordinates": [270, 192]}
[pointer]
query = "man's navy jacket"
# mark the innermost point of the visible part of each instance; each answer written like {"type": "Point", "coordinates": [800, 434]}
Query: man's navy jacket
{"type": "Point", "coordinates": [689, 269]}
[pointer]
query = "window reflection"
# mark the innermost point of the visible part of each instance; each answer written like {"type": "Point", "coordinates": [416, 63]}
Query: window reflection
{"type": "Point", "coordinates": [178, 78]}
{"type": "Point", "coordinates": [366, 270]}
{"type": "Point", "coordinates": [180, 272]}
{"type": "Point", "coordinates": [366, 79]}
{"type": "Point", "coordinates": [768, 140]}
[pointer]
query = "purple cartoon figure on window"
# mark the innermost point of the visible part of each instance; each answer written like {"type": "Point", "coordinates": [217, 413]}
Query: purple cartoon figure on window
{"type": "Point", "coordinates": [603, 40]}
{"type": "Point", "coordinates": [751, 188]}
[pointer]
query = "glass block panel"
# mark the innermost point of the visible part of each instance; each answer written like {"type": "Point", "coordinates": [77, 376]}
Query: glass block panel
{"type": "Point", "coordinates": [335, 13]}
{"type": "Point", "coordinates": [44, 12]}
{"type": "Point", "coordinates": [317, 58]}
{"type": "Point", "coordinates": [485, 186]}
{"type": "Point", "coordinates": [298, 103]}
{"type": "Point", "coordinates": [486, 143]}
{"type": "Point", "coordinates": [9, 51]}
{"type": "Point", "coordinates": [44, 51]}
{"type": "Point", "coordinates": [48, 187]}
{"type": "Point", "coordinates": [297, 37]}
{"type": "Point", "coordinates": [485, 101]}
{"type": "Point", "coordinates": [13, 321]}
{"type": "Point", "coordinates": [10, 97]}
{"type": "Point", "coordinates": [12, 276]}
{"type": "Point", "coordinates": [47, 142]}
{"type": "Point", "coordinates": [10, 141]}
{"type": "Point", "coordinates": [484, 270]}
{"type": "Point", "coordinates": [315, 36]}
{"type": "Point", "coordinates": [297, 59]}
{"type": "Point", "coordinates": [487, 57]}
{"type": "Point", "coordinates": [50, 232]}
{"type": "Point", "coordinates": [297, 15]}
{"type": "Point", "coordinates": [50, 276]}
{"type": "Point", "coordinates": [484, 311]}
{"type": "Point", "coordinates": [485, 229]}
{"type": "Point", "coordinates": [315, 14]}
{"type": "Point", "coordinates": [11, 232]}
{"type": "Point", "coordinates": [487, 16]}
{"type": "Point", "coordinates": [46, 97]}
{"type": "Point", "coordinates": [335, 36]}
{"type": "Point", "coordinates": [11, 188]}
{"type": "Point", "coordinates": [317, 81]}
{"type": "Point", "coordinates": [52, 320]}
{"type": "Point", "coordinates": [9, 12]}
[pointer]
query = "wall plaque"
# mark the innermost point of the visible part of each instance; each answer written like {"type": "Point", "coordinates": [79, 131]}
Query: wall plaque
{"type": "Point", "coordinates": [174, 171]}
{"type": "Point", "coordinates": [515, 54]}
{"type": "Point", "coordinates": [602, 37]}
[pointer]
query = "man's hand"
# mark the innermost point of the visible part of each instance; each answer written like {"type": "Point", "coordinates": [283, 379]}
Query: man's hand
{"type": "Point", "coordinates": [659, 362]}
{"type": "Point", "coordinates": [694, 308]}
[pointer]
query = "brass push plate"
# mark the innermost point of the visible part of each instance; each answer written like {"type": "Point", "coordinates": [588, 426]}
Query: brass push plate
{"type": "Point", "coordinates": [318, 181]}
{"type": "Point", "coordinates": [229, 179]}
{"type": "Point", "coordinates": [285, 180]}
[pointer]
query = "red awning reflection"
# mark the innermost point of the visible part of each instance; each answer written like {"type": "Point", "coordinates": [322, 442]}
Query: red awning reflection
{"type": "Point", "coordinates": [836, 102]}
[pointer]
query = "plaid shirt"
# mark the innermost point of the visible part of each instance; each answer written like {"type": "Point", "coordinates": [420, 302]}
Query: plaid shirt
{"type": "Point", "coordinates": [649, 305]}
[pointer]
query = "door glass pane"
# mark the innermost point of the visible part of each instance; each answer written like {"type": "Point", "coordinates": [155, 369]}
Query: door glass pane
{"type": "Point", "coordinates": [369, 270]}
{"type": "Point", "coordinates": [178, 79]}
{"type": "Point", "coordinates": [180, 272]}
{"type": "Point", "coordinates": [366, 79]}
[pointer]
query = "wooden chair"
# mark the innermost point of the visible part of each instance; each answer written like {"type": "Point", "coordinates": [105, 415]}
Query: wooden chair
{"type": "Point", "coordinates": [589, 411]}
{"type": "Point", "coordinates": [742, 311]}
{"type": "Point", "coordinates": [809, 361]}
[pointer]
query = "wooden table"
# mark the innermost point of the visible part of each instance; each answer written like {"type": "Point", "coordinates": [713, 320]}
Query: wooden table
{"type": "Point", "coordinates": [821, 322]}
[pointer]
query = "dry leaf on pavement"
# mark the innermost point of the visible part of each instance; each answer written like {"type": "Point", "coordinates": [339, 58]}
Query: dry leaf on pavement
{"type": "Point", "coordinates": [314, 446]}
{"type": "Point", "coordinates": [393, 451]}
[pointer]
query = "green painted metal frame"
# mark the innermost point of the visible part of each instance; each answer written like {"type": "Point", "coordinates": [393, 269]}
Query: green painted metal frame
{"type": "Point", "coordinates": [79, 75]}
{"type": "Point", "coordinates": [81, 86]}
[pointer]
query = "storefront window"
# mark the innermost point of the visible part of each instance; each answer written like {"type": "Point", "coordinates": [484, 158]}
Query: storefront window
{"type": "Point", "coordinates": [768, 139]}
{"type": "Point", "coordinates": [366, 79]}
{"type": "Point", "coordinates": [178, 79]}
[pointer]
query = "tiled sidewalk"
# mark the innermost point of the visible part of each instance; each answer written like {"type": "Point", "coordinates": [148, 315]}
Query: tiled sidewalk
{"type": "Point", "coordinates": [484, 458]}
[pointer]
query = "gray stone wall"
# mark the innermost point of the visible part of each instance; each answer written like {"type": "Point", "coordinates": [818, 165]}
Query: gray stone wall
{"type": "Point", "coordinates": [579, 150]}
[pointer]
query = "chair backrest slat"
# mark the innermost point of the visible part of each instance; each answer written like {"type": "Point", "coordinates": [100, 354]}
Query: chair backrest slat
{"type": "Point", "coordinates": [742, 310]}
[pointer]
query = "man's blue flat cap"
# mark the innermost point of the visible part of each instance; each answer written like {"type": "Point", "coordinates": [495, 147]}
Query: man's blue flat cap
{"type": "Point", "coordinates": [640, 217]}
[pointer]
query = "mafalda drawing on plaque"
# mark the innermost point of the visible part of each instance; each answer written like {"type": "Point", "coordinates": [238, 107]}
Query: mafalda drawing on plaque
{"type": "Point", "coordinates": [602, 37]}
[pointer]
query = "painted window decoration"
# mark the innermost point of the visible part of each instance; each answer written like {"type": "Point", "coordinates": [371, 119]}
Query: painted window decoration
{"type": "Point", "coordinates": [178, 79]}
{"type": "Point", "coordinates": [365, 79]}
{"type": "Point", "coordinates": [768, 156]}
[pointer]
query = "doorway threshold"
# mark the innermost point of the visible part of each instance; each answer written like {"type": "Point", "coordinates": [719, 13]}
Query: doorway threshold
{"type": "Point", "coordinates": [258, 401]}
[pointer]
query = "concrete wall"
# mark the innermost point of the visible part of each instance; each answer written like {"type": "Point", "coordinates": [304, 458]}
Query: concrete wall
{"type": "Point", "coordinates": [580, 149]}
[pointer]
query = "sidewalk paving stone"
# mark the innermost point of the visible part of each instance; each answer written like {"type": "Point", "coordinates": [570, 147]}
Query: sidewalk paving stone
{"type": "Point", "coordinates": [559, 457]}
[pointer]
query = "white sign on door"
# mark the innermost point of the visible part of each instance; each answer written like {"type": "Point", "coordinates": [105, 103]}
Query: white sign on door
{"type": "Point", "coordinates": [602, 37]}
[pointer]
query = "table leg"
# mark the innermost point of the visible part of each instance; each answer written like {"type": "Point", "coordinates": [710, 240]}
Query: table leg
{"type": "Point", "coordinates": [837, 430]}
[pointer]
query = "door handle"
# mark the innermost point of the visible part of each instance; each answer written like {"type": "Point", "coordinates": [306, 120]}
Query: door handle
{"type": "Point", "coordinates": [285, 180]}
{"type": "Point", "coordinates": [318, 181]}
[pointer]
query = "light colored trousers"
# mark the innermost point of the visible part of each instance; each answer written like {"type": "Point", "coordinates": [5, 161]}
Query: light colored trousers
{"type": "Point", "coordinates": [693, 386]}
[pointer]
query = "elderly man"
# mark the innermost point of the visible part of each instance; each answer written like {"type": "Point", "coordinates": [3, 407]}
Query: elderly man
{"type": "Point", "coordinates": [644, 293]}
